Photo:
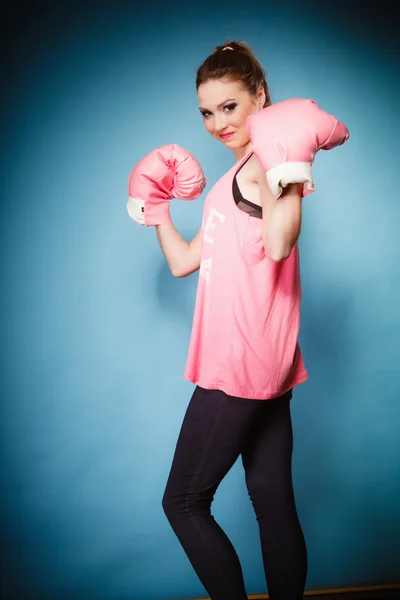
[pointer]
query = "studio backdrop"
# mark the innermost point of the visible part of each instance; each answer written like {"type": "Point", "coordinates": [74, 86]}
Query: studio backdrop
{"type": "Point", "coordinates": [89, 306]}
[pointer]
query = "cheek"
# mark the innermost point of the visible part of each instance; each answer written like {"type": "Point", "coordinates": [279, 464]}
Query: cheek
{"type": "Point", "coordinates": [208, 125]}
{"type": "Point", "coordinates": [239, 118]}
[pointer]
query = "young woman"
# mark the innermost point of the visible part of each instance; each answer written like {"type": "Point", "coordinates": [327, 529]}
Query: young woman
{"type": "Point", "coordinates": [243, 356]}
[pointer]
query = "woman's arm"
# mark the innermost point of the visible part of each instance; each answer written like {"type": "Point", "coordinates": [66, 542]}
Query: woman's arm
{"type": "Point", "coordinates": [285, 137]}
{"type": "Point", "coordinates": [281, 218]}
{"type": "Point", "coordinates": [183, 258]}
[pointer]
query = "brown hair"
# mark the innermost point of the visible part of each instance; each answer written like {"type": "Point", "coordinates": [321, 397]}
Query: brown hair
{"type": "Point", "coordinates": [235, 62]}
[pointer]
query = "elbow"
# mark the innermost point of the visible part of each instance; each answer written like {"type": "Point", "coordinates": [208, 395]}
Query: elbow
{"type": "Point", "coordinates": [280, 251]}
{"type": "Point", "coordinates": [278, 255]}
{"type": "Point", "coordinates": [185, 270]}
{"type": "Point", "coordinates": [178, 274]}
{"type": "Point", "coordinates": [181, 272]}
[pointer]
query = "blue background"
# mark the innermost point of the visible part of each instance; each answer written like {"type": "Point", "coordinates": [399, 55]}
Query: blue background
{"type": "Point", "coordinates": [95, 329]}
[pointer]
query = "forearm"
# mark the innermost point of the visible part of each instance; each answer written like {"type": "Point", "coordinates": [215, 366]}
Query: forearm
{"type": "Point", "coordinates": [176, 250]}
{"type": "Point", "coordinates": [281, 221]}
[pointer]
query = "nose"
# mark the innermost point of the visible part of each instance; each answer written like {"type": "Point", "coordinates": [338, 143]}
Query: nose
{"type": "Point", "coordinates": [220, 123]}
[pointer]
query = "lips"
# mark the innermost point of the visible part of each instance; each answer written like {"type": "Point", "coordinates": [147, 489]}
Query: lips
{"type": "Point", "coordinates": [226, 136]}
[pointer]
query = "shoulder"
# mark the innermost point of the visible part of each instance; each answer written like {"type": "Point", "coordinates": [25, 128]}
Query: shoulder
{"type": "Point", "coordinates": [251, 170]}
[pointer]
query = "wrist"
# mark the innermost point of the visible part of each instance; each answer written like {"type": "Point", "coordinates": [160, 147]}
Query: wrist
{"type": "Point", "coordinates": [158, 214]}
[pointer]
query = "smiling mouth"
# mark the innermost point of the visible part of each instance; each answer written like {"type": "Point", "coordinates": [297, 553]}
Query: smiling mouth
{"type": "Point", "coordinates": [225, 136]}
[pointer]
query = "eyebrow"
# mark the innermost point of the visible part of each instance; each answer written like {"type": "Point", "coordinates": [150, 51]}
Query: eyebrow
{"type": "Point", "coordinates": [221, 104]}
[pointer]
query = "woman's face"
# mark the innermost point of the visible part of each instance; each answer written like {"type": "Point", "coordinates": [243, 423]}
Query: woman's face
{"type": "Point", "coordinates": [225, 106]}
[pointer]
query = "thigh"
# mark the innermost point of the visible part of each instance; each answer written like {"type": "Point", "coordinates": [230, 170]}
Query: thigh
{"type": "Point", "coordinates": [267, 454]}
{"type": "Point", "coordinates": [214, 431]}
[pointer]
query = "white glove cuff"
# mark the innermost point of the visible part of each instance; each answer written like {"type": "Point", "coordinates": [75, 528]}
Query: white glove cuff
{"type": "Point", "coordinates": [135, 208]}
{"type": "Point", "coordinates": [282, 175]}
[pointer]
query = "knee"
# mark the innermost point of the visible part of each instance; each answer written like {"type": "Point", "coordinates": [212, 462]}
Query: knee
{"type": "Point", "coordinates": [172, 503]}
{"type": "Point", "coordinates": [178, 503]}
{"type": "Point", "coordinates": [269, 489]}
{"type": "Point", "coordinates": [166, 502]}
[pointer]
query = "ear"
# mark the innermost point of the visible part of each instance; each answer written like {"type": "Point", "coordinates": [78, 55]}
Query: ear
{"type": "Point", "coordinates": [261, 97]}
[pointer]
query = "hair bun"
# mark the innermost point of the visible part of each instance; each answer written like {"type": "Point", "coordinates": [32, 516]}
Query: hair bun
{"type": "Point", "coordinates": [239, 64]}
{"type": "Point", "coordinates": [232, 45]}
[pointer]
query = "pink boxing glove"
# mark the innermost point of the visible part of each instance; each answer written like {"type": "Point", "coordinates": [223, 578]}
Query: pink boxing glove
{"type": "Point", "coordinates": [286, 137]}
{"type": "Point", "coordinates": [167, 172]}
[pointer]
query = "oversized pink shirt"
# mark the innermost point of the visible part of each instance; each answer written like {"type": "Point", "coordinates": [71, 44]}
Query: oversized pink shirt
{"type": "Point", "coordinates": [246, 321]}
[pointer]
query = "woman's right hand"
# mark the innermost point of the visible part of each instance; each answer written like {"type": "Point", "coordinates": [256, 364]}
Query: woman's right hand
{"type": "Point", "coordinates": [167, 172]}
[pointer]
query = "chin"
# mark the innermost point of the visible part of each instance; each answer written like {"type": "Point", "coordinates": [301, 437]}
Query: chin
{"type": "Point", "coordinates": [233, 144]}
{"type": "Point", "coordinates": [237, 145]}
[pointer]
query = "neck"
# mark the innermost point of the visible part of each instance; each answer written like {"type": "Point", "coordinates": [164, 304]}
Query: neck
{"type": "Point", "coordinates": [240, 152]}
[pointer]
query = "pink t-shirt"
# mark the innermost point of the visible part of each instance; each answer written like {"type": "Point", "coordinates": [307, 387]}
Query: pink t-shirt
{"type": "Point", "coordinates": [247, 313]}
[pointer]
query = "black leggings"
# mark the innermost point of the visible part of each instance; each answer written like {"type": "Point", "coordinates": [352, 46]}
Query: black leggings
{"type": "Point", "coordinates": [216, 429]}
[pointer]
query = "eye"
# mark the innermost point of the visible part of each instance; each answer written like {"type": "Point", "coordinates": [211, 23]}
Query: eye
{"type": "Point", "coordinates": [205, 113]}
{"type": "Point", "coordinates": [230, 107]}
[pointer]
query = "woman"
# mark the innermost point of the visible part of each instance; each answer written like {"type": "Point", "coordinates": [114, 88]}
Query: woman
{"type": "Point", "coordinates": [244, 356]}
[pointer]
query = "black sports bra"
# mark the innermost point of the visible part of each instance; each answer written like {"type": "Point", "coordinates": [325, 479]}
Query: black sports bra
{"type": "Point", "coordinates": [246, 205]}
